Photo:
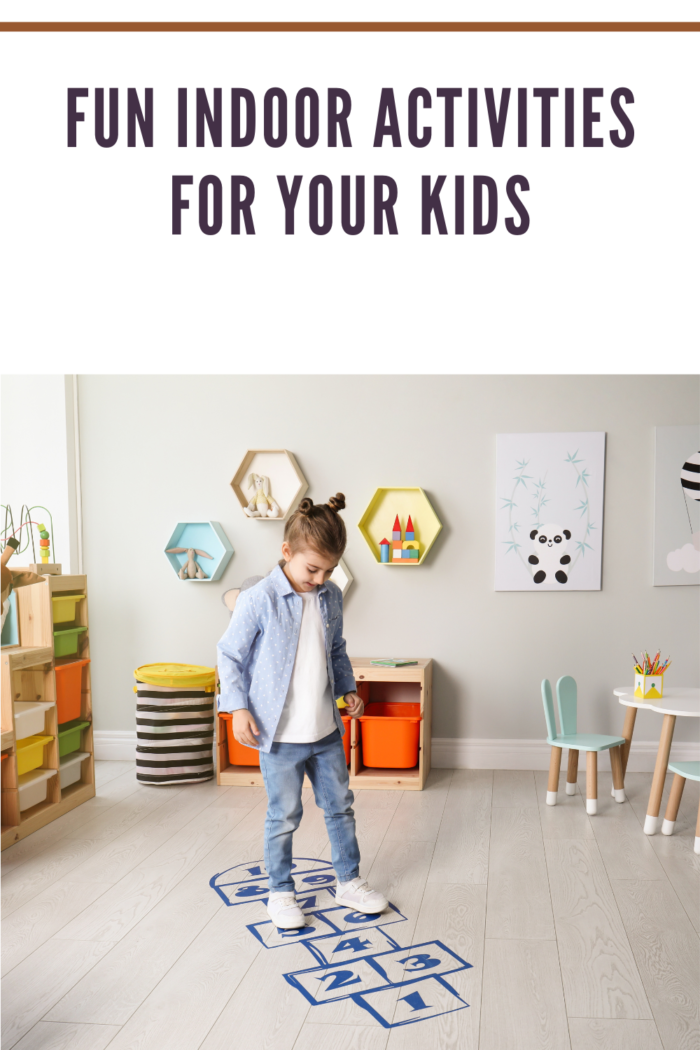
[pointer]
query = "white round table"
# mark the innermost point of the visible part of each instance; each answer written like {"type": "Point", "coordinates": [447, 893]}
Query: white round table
{"type": "Point", "coordinates": [677, 702]}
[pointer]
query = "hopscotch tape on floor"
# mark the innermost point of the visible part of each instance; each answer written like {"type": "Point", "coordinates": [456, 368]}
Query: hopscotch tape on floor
{"type": "Point", "coordinates": [357, 956]}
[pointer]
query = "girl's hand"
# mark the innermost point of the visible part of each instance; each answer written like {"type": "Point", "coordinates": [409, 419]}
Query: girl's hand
{"type": "Point", "coordinates": [244, 726]}
{"type": "Point", "coordinates": [354, 705]}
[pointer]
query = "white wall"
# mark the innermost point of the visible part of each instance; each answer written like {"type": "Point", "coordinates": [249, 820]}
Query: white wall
{"type": "Point", "coordinates": [38, 463]}
{"type": "Point", "coordinates": [156, 450]}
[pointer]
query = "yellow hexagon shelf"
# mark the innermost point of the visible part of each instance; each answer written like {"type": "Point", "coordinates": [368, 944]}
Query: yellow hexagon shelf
{"type": "Point", "coordinates": [284, 488]}
{"type": "Point", "coordinates": [402, 545]}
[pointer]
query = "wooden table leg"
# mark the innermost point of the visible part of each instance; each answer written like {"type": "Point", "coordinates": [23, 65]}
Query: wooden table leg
{"type": "Point", "coordinates": [553, 782]}
{"type": "Point", "coordinates": [657, 784]}
{"type": "Point", "coordinates": [627, 732]}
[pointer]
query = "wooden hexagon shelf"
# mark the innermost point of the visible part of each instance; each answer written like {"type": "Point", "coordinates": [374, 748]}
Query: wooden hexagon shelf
{"type": "Point", "coordinates": [287, 483]}
{"type": "Point", "coordinates": [204, 536]}
{"type": "Point", "coordinates": [376, 524]}
{"type": "Point", "coordinates": [342, 576]}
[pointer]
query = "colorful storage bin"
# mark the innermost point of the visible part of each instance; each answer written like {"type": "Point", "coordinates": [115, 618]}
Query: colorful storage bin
{"type": "Point", "coordinates": [30, 717]}
{"type": "Point", "coordinates": [238, 754]}
{"type": "Point", "coordinates": [71, 768]}
{"type": "Point", "coordinates": [65, 606]}
{"type": "Point", "coordinates": [346, 736]}
{"type": "Point", "coordinates": [65, 643]}
{"type": "Point", "coordinates": [69, 736]}
{"type": "Point", "coordinates": [33, 787]}
{"type": "Point", "coordinates": [30, 753]}
{"type": "Point", "coordinates": [69, 682]}
{"type": "Point", "coordinates": [174, 723]}
{"type": "Point", "coordinates": [390, 735]}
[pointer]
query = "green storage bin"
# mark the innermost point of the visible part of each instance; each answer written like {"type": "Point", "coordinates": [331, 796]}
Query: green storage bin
{"type": "Point", "coordinates": [65, 643]}
{"type": "Point", "coordinates": [69, 736]}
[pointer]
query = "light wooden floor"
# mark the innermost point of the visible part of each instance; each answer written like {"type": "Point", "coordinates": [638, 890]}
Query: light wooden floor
{"type": "Point", "coordinates": [582, 933]}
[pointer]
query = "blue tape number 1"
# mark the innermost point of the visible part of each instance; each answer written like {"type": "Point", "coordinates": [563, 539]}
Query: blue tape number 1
{"type": "Point", "coordinates": [414, 1001]}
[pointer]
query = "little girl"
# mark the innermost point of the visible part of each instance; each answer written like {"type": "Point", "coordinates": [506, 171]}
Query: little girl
{"type": "Point", "coordinates": [282, 665]}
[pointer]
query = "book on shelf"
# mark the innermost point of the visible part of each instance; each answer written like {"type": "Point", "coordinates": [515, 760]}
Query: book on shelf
{"type": "Point", "coordinates": [396, 662]}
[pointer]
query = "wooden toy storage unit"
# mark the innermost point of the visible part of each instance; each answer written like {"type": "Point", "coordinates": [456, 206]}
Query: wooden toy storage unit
{"type": "Point", "coordinates": [411, 683]}
{"type": "Point", "coordinates": [28, 674]}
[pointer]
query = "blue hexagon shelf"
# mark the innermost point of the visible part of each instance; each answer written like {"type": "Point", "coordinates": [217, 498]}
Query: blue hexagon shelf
{"type": "Point", "coordinates": [204, 536]}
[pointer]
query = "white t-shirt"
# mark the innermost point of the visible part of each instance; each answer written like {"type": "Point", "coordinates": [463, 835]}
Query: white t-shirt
{"type": "Point", "coordinates": [307, 714]}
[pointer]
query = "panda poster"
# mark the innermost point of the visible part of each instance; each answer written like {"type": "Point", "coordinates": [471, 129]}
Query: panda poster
{"type": "Point", "coordinates": [549, 511]}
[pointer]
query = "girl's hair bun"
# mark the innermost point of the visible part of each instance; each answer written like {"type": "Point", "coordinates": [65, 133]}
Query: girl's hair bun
{"type": "Point", "coordinates": [337, 502]}
{"type": "Point", "coordinates": [306, 506]}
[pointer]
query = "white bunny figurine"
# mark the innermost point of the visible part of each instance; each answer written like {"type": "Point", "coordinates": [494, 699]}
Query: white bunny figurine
{"type": "Point", "coordinates": [261, 505]}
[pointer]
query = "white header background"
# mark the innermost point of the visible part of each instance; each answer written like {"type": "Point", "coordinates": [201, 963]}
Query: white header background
{"type": "Point", "coordinates": [605, 278]}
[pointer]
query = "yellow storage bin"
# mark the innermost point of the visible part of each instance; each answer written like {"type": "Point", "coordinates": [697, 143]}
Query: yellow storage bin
{"type": "Point", "coordinates": [30, 753]}
{"type": "Point", "coordinates": [177, 676]}
{"type": "Point", "coordinates": [64, 607]}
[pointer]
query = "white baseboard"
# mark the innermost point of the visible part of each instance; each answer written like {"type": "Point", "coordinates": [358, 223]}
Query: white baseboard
{"type": "Point", "coordinates": [447, 753]}
{"type": "Point", "coordinates": [120, 746]}
{"type": "Point", "coordinates": [115, 745]}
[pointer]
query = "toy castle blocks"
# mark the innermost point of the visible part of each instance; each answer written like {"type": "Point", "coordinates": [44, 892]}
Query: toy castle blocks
{"type": "Point", "coordinates": [404, 551]}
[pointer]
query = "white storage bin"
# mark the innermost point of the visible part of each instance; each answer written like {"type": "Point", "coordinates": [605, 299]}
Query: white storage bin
{"type": "Point", "coordinates": [33, 787]}
{"type": "Point", "coordinates": [30, 718]}
{"type": "Point", "coordinates": [71, 768]}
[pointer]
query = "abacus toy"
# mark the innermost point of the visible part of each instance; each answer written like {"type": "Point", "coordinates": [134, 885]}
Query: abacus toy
{"type": "Point", "coordinates": [44, 543]}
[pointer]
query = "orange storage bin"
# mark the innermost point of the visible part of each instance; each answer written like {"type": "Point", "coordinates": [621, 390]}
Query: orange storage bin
{"type": "Point", "coordinates": [390, 735]}
{"type": "Point", "coordinates": [238, 754]}
{"type": "Point", "coordinates": [69, 678]}
{"type": "Point", "coordinates": [346, 737]}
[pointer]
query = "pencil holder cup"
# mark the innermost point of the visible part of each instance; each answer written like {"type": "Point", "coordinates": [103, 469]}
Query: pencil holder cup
{"type": "Point", "coordinates": [648, 686]}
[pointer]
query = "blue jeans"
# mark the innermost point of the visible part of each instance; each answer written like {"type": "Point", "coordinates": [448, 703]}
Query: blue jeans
{"type": "Point", "coordinates": [283, 774]}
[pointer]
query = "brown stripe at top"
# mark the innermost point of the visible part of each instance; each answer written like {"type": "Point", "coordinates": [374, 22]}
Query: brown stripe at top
{"type": "Point", "coordinates": [349, 27]}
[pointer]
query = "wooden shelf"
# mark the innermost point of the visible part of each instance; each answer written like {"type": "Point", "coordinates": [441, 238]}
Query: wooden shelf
{"type": "Point", "coordinates": [377, 521]}
{"type": "Point", "coordinates": [287, 483]}
{"type": "Point", "coordinates": [413, 683]}
{"type": "Point", "coordinates": [28, 673]}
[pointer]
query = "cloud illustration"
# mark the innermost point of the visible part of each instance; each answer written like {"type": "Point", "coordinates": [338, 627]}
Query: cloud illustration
{"type": "Point", "coordinates": [686, 558]}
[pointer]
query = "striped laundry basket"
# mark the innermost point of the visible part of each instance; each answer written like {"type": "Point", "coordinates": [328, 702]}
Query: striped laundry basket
{"type": "Point", "coordinates": [174, 723]}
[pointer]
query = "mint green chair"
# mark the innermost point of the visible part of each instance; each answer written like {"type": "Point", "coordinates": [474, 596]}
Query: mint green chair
{"type": "Point", "coordinates": [684, 771]}
{"type": "Point", "coordinates": [591, 743]}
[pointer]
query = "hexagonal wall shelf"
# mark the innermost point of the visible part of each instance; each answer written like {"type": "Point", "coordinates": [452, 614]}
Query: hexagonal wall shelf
{"type": "Point", "coordinates": [287, 483]}
{"type": "Point", "coordinates": [205, 536]}
{"type": "Point", "coordinates": [376, 524]}
{"type": "Point", "coordinates": [342, 576]}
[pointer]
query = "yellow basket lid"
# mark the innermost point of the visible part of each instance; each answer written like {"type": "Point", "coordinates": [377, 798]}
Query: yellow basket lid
{"type": "Point", "coordinates": [186, 676]}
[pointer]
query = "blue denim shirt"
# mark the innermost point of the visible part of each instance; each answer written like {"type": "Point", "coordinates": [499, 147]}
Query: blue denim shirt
{"type": "Point", "coordinates": [255, 656]}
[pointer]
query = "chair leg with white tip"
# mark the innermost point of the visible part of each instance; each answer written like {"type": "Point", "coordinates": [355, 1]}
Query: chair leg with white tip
{"type": "Point", "coordinates": [553, 782]}
{"type": "Point", "coordinates": [696, 847]}
{"type": "Point", "coordinates": [591, 783]}
{"type": "Point", "coordinates": [616, 766]}
{"type": "Point", "coordinates": [572, 772]}
{"type": "Point", "coordinates": [674, 801]}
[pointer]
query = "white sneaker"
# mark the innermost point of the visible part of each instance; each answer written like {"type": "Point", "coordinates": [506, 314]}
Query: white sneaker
{"type": "Point", "coordinates": [357, 894]}
{"type": "Point", "coordinates": [284, 911]}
